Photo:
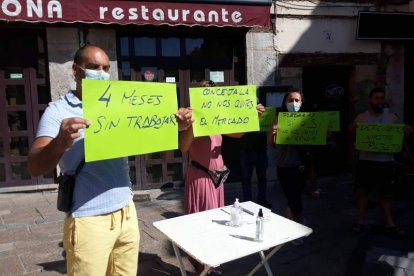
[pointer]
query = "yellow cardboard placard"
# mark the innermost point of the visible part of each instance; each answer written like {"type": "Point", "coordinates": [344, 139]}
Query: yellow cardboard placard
{"type": "Point", "coordinates": [267, 118]}
{"type": "Point", "coordinates": [302, 128]}
{"type": "Point", "coordinates": [377, 137]}
{"type": "Point", "coordinates": [225, 109]}
{"type": "Point", "coordinates": [128, 118]}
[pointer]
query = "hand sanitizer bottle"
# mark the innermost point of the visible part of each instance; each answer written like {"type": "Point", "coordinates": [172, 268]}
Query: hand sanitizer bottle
{"type": "Point", "coordinates": [236, 214]}
{"type": "Point", "coordinates": [259, 226]}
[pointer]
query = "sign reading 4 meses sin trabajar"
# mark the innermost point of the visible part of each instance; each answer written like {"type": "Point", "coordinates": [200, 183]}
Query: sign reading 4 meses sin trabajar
{"type": "Point", "coordinates": [128, 118]}
{"type": "Point", "coordinates": [225, 109]}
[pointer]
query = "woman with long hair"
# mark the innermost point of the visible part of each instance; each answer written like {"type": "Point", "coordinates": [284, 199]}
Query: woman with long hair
{"type": "Point", "coordinates": [290, 167]}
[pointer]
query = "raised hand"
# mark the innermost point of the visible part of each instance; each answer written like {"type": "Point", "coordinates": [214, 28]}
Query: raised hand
{"type": "Point", "coordinates": [184, 118]}
{"type": "Point", "coordinates": [260, 109]}
{"type": "Point", "coordinates": [69, 130]}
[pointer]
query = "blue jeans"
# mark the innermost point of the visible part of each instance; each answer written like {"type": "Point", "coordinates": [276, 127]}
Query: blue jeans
{"type": "Point", "coordinates": [249, 160]}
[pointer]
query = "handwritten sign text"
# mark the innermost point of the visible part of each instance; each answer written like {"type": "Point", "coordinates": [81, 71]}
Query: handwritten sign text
{"type": "Point", "coordinates": [302, 128]}
{"type": "Point", "coordinates": [221, 110]}
{"type": "Point", "coordinates": [128, 118]}
{"type": "Point", "coordinates": [378, 137]}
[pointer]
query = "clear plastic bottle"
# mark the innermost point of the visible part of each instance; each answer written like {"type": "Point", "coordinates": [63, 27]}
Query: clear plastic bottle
{"type": "Point", "coordinates": [259, 226]}
{"type": "Point", "coordinates": [236, 214]}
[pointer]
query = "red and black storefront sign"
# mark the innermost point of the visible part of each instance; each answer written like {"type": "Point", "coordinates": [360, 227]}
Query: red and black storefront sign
{"type": "Point", "coordinates": [136, 12]}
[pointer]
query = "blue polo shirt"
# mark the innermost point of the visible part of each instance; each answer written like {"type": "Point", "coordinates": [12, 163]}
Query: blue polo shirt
{"type": "Point", "coordinates": [101, 186]}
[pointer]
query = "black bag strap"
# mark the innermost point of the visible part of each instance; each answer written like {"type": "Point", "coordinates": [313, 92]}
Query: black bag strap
{"type": "Point", "coordinates": [218, 177]}
{"type": "Point", "coordinates": [199, 166]}
{"type": "Point", "coordinates": [78, 168]}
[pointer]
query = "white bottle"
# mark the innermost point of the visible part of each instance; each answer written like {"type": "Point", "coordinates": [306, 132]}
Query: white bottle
{"type": "Point", "coordinates": [259, 226]}
{"type": "Point", "coordinates": [236, 214]}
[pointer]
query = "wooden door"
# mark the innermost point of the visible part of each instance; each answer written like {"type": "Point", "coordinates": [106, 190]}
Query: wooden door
{"type": "Point", "coordinates": [24, 94]}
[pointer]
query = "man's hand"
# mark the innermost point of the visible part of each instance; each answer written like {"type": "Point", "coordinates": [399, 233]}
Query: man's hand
{"type": "Point", "coordinates": [46, 152]}
{"type": "Point", "coordinates": [184, 118]}
{"type": "Point", "coordinates": [69, 130]}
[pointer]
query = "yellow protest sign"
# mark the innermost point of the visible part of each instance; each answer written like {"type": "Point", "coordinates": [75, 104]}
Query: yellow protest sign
{"type": "Point", "coordinates": [226, 109]}
{"type": "Point", "coordinates": [377, 137]}
{"type": "Point", "coordinates": [333, 120]}
{"type": "Point", "coordinates": [128, 118]}
{"type": "Point", "coordinates": [302, 128]}
{"type": "Point", "coordinates": [267, 118]}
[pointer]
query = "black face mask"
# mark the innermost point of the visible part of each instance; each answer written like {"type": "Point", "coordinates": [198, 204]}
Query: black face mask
{"type": "Point", "coordinates": [377, 107]}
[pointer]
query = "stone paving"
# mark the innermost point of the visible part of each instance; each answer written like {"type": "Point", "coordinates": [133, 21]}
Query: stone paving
{"type": "Point", "coordinates": [31, 234]}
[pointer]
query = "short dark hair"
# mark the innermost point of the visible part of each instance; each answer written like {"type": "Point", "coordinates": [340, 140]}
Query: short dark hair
{"type": "Point", "coordinates": [207, 83]}
{"type": "Point", "coordinates": [283, 108]}
{"type": "Point", "coordinates": [78, 58]}
{"type": "Point", "coordinates": [376, 90]}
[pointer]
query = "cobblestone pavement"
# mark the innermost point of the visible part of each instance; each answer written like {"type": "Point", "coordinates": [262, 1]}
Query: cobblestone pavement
{"type": "Point", "coordinates": [31, 234]}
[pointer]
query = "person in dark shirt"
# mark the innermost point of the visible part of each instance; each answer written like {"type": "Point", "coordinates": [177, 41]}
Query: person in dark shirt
{"type": "Point", "coordinates": [254, 155]}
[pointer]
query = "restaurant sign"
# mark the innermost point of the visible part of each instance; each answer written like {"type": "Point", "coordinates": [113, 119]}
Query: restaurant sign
{"type": "Point", "coordinates": [133, 12]}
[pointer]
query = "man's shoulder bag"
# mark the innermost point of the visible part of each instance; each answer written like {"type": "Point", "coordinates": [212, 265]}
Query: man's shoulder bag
{"type": "Point", "coordinates": [65, 190]}
{"type": "Point", "coordinates": [217, 176]}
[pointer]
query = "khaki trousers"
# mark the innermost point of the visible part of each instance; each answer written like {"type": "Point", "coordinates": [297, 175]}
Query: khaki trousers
{"type": "Point", "coordinates": [103, 245]}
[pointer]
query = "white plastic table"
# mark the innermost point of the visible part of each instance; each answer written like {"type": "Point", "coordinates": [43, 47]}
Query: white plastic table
{"type": "Point", "coordinates": [207, 238]}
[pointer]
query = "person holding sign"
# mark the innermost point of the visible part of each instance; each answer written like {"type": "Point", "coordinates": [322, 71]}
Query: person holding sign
{"type": "Point", "coordinates": [290, 167]}
{"type": "Point", "coordinates": [101, 235]}
{"type": "Point", "coordinates": [253, 155]}
{"type": "Point", "coordinates": [206, 173]}
{"type": "Point", "coordinates": [375, 167]}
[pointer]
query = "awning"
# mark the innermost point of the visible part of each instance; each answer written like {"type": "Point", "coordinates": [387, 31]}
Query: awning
{"type": "Point", "coordinates": [229, 2]}
{"type": "Point", "coordinates": [137, 12]}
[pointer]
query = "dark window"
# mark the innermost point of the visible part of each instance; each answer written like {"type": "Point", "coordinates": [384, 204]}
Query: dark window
{"type": "Point", "coordinates": [389, 26]}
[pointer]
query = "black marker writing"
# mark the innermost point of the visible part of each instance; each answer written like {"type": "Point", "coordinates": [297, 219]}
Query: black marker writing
{"type": "Point", "coordinates": [150, 121]}
{"type": "Point", "coordinates": [133, 99]}
{"type": "Point", "coordinates": [107, 99]}
{"type": "Point", "coordinates": [106, 125]}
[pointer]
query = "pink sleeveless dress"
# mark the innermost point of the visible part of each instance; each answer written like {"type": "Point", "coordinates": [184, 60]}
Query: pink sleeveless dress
{"type": "Point", "coordinates": [199, 192]}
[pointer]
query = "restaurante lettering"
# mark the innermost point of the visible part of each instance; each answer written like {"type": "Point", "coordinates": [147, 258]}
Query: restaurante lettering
{"type": "Point", "coordinates": [133, 12]}
{"type": "Point", "coordinates": [158, 14]}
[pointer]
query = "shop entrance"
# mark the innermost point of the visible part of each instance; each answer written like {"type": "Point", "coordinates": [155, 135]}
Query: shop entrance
{"type": "Point", "coordinates": [24, 94]}
{"type": "Point", "coordinates": [184, 60]}
{"type": "Point", "coordinates": [327, 88]}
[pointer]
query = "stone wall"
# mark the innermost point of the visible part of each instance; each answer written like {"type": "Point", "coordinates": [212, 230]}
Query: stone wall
{"type": "Point", "coordinates": [62, 45]}
{"type": "Point", "coordinates": [261, 59]}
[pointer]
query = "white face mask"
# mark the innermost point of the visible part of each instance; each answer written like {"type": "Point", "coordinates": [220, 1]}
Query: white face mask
{"type": "Point", "coordinates": [293, 106]}
{"type": "Point", "coordinates": [95, 74]}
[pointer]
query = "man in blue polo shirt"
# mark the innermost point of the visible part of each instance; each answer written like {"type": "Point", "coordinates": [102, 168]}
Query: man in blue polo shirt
{"type": "Point", "coordinates": [101, 235]}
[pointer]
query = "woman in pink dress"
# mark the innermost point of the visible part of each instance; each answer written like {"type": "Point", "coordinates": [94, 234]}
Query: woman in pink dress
{"type": "Point", "coordinates": [200, 193]}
